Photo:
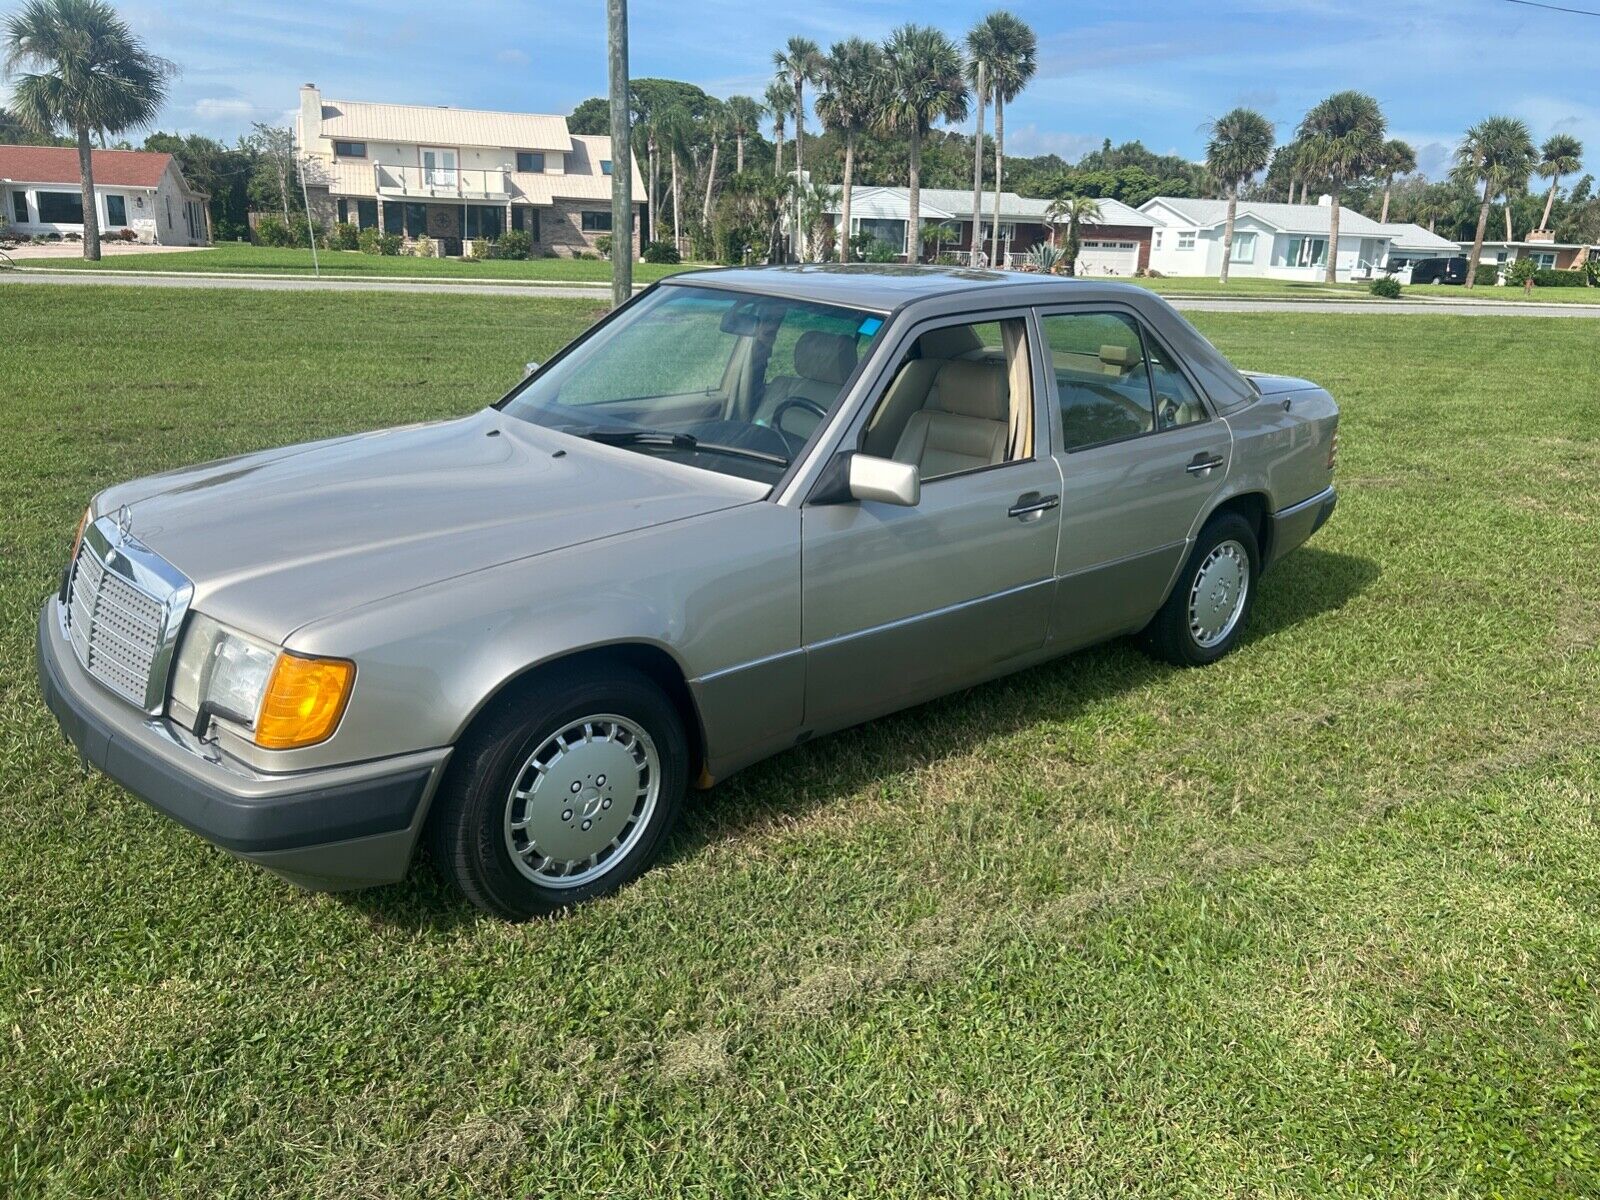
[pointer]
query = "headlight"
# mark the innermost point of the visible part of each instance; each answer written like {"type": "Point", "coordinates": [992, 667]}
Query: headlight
{"type": "Point", "coordinates": [285, 700]}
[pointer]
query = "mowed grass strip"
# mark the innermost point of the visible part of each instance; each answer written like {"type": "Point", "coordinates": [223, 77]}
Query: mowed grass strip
{"type": "Point", "coordinates": [1319, 920]}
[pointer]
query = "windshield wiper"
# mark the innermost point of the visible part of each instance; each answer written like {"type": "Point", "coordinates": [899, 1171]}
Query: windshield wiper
{"type": "Point", "coordinates": [675, 441]}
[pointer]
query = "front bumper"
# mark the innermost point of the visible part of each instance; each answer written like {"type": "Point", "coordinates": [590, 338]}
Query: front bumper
{"type": "Point", "coordinates": [327, 830]}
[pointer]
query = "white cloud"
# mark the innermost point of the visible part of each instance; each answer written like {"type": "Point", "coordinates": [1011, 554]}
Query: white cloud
{"type": "Point", "coordinates": [511, 56]}
{"type": "Point", "coordinates": [1029, 141]}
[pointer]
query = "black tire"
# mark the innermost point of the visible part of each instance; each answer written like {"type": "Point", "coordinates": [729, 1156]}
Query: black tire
{"type": "Point", "coordinates": [1169, 636]}
{"type": "Point", "coordinates": [468, 838]}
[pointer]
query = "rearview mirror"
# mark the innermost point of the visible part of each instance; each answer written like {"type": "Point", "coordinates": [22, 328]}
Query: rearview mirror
{"type": "Point", "coordinates": [885, 480]}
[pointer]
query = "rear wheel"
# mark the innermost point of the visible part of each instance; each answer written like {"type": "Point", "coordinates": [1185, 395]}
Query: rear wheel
{"type": "Point", "coordinates": [564, 793]}
{"type": "Point", "coordinates": [1206, 614]}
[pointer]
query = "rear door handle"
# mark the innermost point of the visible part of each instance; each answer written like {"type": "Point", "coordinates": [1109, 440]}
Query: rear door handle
{"type": "Point", "coordinates": [1202, 462]}
{"type": "Point", "coordinates": [1030, 505]}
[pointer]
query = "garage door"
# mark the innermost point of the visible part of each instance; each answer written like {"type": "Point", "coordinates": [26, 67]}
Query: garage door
{"type": "Point", "coordinates": [1108, 258]}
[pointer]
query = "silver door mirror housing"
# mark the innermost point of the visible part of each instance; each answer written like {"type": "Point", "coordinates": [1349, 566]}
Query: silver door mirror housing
{"type": "Point", "coordinates": [885, 480]}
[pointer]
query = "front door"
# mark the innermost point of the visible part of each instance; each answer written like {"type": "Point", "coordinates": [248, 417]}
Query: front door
{"type": "Point", "coordinates": [1141, 457]}
{"type": "Point", "coordinates": [901, 604]}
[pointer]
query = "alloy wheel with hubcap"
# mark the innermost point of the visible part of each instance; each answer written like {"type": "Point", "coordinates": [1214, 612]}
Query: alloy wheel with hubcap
{"type": "Point", "coordinates": [1205, 614]}
{"type": "Point", "coordinates": [1218, 594]}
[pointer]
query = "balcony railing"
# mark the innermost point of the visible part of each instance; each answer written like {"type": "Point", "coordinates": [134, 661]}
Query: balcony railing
{"type": "Point", "coordinates": [434, 183]}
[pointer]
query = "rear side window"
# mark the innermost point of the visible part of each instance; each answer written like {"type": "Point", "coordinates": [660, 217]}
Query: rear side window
{"type": "Point", "coordinates": [1102, 379]}
{"type": "Point", "coordinates": [1176, 402]}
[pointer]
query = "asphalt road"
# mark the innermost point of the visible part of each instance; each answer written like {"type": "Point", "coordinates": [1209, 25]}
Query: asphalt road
{"type": "Point", "coordinates": [601, 293]}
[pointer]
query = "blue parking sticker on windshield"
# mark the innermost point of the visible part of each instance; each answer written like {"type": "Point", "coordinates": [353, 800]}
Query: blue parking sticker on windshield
{"type": "Point", "coordinates": [871, 326]}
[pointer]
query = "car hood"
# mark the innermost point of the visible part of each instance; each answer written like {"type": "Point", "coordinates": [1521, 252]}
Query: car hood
{"type": "Point", "coordinates": [276, 539]}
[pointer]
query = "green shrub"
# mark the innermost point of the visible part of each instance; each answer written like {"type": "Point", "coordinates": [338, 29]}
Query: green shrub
{"type": "Point", "coordinates": [271, 231]}
{"type": "Point", "coordinates": [603, 245]}
{"type": "Point", "coordinates": [661, 252]}
{"type": "Point", "coordinates": [1521, 271]}
{"type": "Point", "coordinates": [585, 255]}
{"type": "Point", "coordinates": [879, 251]}
{"type": "Point", "coordinates": [367, 241]}
{"type": "Point", "coordinates": [516, 243]}
{"type": "Point", "coordinates": [389, 244]}
{"type": "Point", "coordinates": [1388, 287]}
{"type": "Point", "coordinates": [1488, 273]}
{"type": "Point", "coordinates": [1549, 277]}
{"type": "Point", "coordinates": [345, 236]}
{"type": "Point", "coordinates": [422, 247]}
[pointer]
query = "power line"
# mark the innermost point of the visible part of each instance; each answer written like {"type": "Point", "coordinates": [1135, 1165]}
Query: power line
{"type": "Point", "coordinates": [1582, 12]}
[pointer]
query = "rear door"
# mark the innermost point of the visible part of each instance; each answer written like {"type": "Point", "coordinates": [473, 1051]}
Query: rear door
{"type": "Point", "coordinates": [1141, 456]}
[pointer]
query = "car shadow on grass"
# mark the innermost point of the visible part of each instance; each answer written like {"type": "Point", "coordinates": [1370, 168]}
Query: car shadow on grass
{"type": "Point", "coordinates": [809, 777]}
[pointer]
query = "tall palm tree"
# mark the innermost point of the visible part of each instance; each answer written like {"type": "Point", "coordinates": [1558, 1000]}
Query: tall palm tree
{"type": "Point", "coordinates": [744, 120]}
{"type": "Point", "coordinates": [1344, 138]}
{"type": "Point", "coordinates": [1496, 152]}
{"type": "Point", "coordinates": [800, 60]}
{"type": "Point", "coordinates": [1010, 58]}
{"type": "Point", "coordinates": [714, 124]}
{"type": "Point", "coordinates": [1561, 154]}
{"type": "Point", "coordinates": [1397, 158]}
{"type": "Point", "coordinates": [923, 83]}
{"type": "Point", "coordinates": [1074, 212]}
{"type": "Point", "coordinates": [1239, 146]}
{"type": "Point", "coordinates": [980, 52]}
{"type": "Point", "coordinates": [675, 128]}
{"type": "Point", "coordinates": [780, 100]}
{"type": "Point", "coordinates": [80, 66]}
{"type": "Point", "coordinates": [849, 103]}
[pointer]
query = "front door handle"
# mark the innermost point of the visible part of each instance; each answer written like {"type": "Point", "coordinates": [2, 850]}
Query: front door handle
{"type": "Point", "coordinates": [1202, 462]}
{"type": "Point", "coordinates": [1031, 505]}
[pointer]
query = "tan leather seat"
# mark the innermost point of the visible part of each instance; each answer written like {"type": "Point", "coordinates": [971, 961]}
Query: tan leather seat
{"type": "Point", "coordinates": [965, 423]}
{"type": "Point", "coordinates": [823, 362]}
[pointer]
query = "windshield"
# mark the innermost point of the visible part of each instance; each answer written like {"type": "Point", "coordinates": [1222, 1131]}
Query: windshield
{"type": "Point", "coordinates": [722, 380]}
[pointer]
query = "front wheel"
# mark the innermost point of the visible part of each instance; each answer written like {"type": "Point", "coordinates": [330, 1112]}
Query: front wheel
{"type": "Point", "coordinates": [1206, 614]}
{"type": "Point", "coordinates": [564, 793]}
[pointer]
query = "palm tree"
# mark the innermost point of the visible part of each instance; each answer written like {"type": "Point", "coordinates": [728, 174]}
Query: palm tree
{"type": "Point", "coordinates": [675, 127]}
{"type": "Point", "coordinates": [1009, 50]}
{"type": "Point", "coordinates": [715, 126]}
{"type": "Point", "coordinates": [922, 84]}
{"type": "Point", "coordinates": [80, 66]}
{"type": "Point", "coordinates": [1239, 146]}
{"type": "Point", "coordinates": [980, 51]}
{"type": "Point", "coordinates": [1496, 152]}
{"type": "Point", "coordinates": [1397, 158]}
{"type": "Point", "coordinates": [1073, 211]}
{"type": "Point", "coordinates": [1344, 138]}
{"type": "Point", "coordinates": [744, 120]}
{"type": "Point", "coordinates": [1562, 154]}
{"type": "Point", "coordinates": [800, 60]}
{"type": "Point", "coordinates": [849, 103]}
{"type": "Point", "coordinates": [780, 100]}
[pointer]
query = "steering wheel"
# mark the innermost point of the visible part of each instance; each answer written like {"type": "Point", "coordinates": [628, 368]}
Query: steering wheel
{"type": "Point", "coordinates": [800, 402]}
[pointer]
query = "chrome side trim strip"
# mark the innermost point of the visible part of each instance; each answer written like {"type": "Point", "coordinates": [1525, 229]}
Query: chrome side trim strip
{"type": "Point", "coordinates": [1321, 497]}
{"type": "Point", "coordinates": [764, 660]}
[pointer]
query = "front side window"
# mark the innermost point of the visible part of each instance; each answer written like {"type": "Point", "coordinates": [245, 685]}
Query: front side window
{"type": "Point", "coordinates": [715, 379]}
{"type": "Point", "coordinates": [61, 208]}
{"type": "Point", "coordinates": [483, 221]}
{"type": "Point", "coordinates": [367, 214]}
{"type": "Point", "coordinates": [19, 207]}
{"type": "Point", "coordinates": [1306, 252]}
{"type": "Point", "coordinates": [1102, 379]}
{"type": "Point", "coordinates": [116, 210]}
{"type": "Point", "coordinates": [1244, 248]}
{"type": "Point", "coordinates": [1186, 239]}
{"type": "Point", "coordinates": [596, 220]}
{"type": "Point", "coordinates": [1544, 258]}
{"type": "Point", "coordinates": [960, 399]}
{"type": "Point", "coordinates": [350, 149]}
{"type": "Point", "coordinates": [531, 161]}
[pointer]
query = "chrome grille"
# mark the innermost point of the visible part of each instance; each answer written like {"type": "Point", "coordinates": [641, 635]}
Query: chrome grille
{"type": "Point", "coordinates": [121, 629]}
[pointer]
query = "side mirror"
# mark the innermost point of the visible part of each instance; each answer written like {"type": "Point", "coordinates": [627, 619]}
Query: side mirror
{"type": "Point", "coordinates": [529, 368]}
{"type": "Point", "coordinates": [884, 480]}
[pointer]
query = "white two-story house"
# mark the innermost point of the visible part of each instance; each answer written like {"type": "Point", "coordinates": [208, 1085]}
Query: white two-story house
{"type": "Point", "coordinates": [458, 174]}
{"type": "Point", "coordinates": [1283, 241]}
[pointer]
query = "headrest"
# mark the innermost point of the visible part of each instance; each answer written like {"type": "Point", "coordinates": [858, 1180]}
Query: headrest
{"type": "Point", "coordinates": [1124, 357]}
{"type": "Point", "coordinates": [824, 357]}
{"type": "Point", "coordinates": [950, 342]}
{"type": "Point", "coordinates": [973, 389]}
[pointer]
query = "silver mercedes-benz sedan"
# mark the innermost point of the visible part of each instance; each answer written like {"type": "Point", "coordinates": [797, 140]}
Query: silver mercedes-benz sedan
{"type": "Point", "coordinates": [747, 508]}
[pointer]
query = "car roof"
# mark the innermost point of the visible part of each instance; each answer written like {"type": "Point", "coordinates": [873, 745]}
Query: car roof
{"type": "Point", "coordinates": [884, 287]}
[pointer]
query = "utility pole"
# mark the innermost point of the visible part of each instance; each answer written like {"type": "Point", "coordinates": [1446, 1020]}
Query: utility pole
{"type": "Point", "coordinates": [621, 157]}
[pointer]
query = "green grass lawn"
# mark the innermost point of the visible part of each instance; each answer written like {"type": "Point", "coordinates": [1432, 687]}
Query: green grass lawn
{"type": "Point", "coordinates": [1317, 921]}
{"type": "Point", "coordinates": [270, 260]}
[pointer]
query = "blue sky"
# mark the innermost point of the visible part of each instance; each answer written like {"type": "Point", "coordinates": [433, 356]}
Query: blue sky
{"type": "Point", "coordinates": [1108, 68]}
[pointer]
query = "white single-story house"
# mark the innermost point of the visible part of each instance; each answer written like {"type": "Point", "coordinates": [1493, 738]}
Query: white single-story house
{"type": "Point", "coordinates": [1281, 241]}
{"type": "Point", "coordinates": [1117, 244]}
{"type": "Point", "coordinates": [41, 193]}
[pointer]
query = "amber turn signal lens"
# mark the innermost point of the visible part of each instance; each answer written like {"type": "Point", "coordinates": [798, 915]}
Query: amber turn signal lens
{"type": "Point", "coordinates": [304, 700]}
{"type": "Point", "coordinates": [77, 538]}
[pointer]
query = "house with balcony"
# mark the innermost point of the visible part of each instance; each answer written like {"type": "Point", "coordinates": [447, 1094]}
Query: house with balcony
{"type": "Point", "coordinates": [135, 191]}
{"type": "Point", "coordinates": [1118, 243]}
{"type": "Point", "coordinates": [456, 175]}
